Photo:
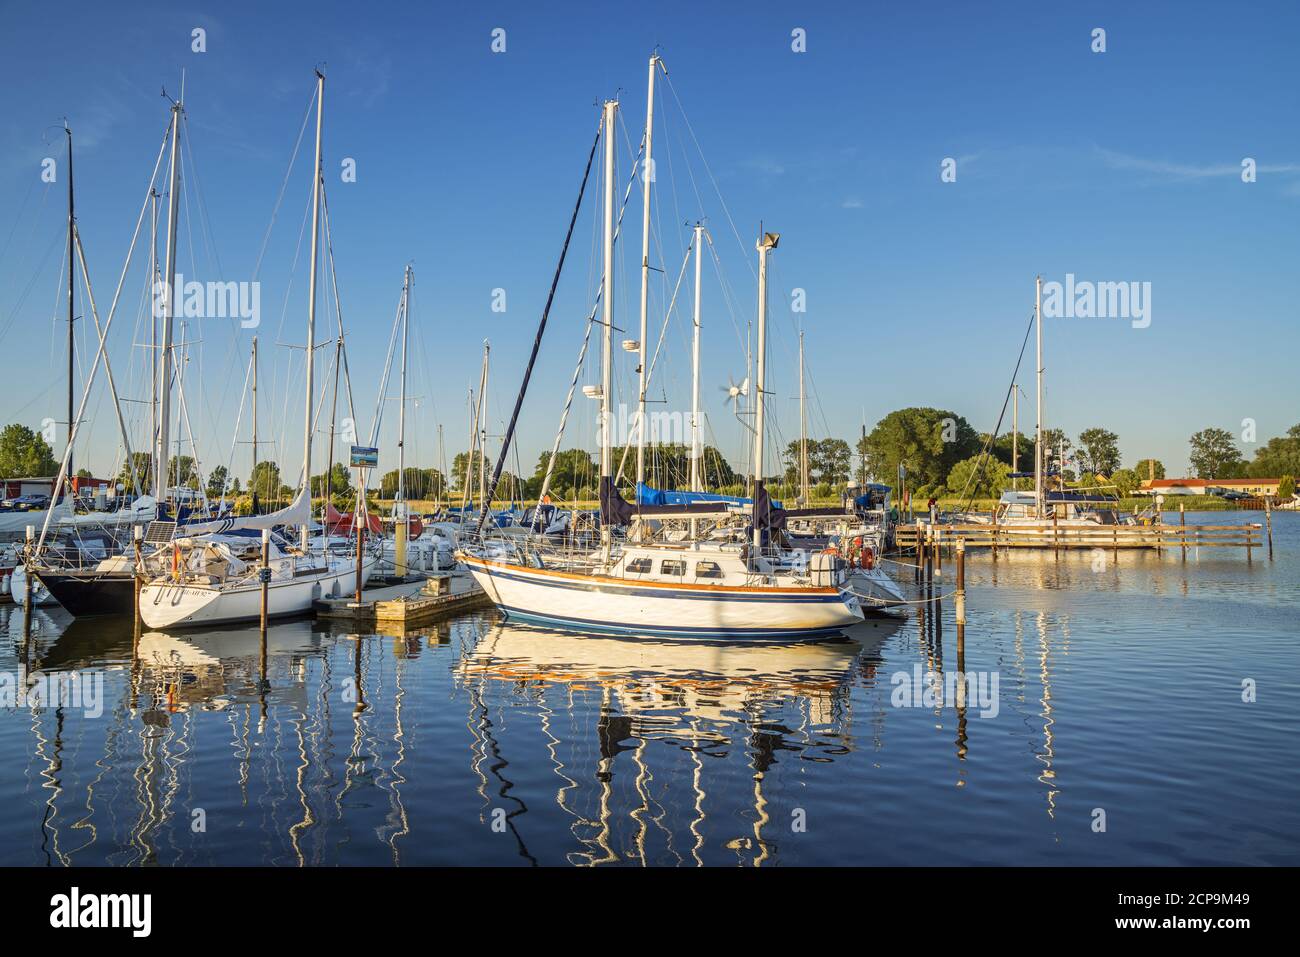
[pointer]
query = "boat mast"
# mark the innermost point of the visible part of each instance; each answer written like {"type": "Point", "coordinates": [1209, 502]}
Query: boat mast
{"type": "Point", "coordinates": [311, 303]}
{"type": "Point", "coordinates": [803, 431]}
{"type": "Point", "coordinates": [401, 409]}
{"type": "Point", "coordinates": [480, 428]}
{"type": "Point", "coordinates": [253, 490]}
{"type": "Point", "coordinates": [766, 243]}
{"type": "Point", "coordinates": [153, 331]}
{"type": "Point", "coordinates": [169, 311]}
{"type": "Point", "coordinates": [1015, 432]}
{"type": "Point", "coordinates": [1038, 428]}
{"type": "Point", "coordinates": [697, 484]}
{"type": "Point", "coordinates": [647, 176]}
{"type": "Point", "coordinates": [72, 272]}
{"type": "Point", "coordinates": [607, 315]}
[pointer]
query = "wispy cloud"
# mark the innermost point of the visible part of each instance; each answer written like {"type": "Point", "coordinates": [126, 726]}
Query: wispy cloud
{"type": "Point", "coordinates": [1186, 171]}
{"type": "Point", "coordinates": [851, 202]}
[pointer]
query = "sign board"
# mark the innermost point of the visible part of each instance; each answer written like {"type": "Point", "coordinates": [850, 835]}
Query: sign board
{"type": "Point", "coordinates": [364, 457]}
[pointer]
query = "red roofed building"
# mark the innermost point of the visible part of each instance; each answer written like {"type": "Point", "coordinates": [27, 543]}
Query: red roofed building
{"type": "Point", "coordinates": [1198, 486]}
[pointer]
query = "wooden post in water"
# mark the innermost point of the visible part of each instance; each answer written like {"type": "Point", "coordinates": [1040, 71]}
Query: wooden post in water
{"type": "Point", "coordinates": [265, 574]}
{"type": "Point", "coordinates": [938, 552]}
{"type": "Point", "coordinates": [961, 583]}
{"type": "Point", "coordinates": [1268, 519]}
{"type": "Point", "coordinates": [1182, 527]}
{"type": "Point", "coordinates": [136, 534]}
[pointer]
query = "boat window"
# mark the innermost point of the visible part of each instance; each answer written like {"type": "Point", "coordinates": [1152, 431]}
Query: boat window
{"type": "Point", "coordinates": [639, 566]}
{"type": "Point", "coordinates": [707, 570]}
{"type": "Point", "coordinates": [672, 568]}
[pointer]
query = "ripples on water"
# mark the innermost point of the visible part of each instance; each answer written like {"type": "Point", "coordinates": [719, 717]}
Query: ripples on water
{"type": "Point", "coordinates": [481, 742]}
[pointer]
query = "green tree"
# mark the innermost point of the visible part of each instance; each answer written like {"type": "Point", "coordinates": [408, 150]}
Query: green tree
{"type": "Point", "coordinates": [574, 470]}
{"type": "Point", "coordinates": [182, 472]}
{"type": "Point", "coordinates": [831, 460]}
{"type": "Point", "coordinates": [217, 480]}
{"type": "Point", "coordinates": [1146, 469]}
{"type": "Point", "coordinates": [1125, 481]}
{"type": "Point", "coordinates": [24, 453]}
{"type": "Point", "coordinates": [1286, 488]}
{"type": "Point", "coordinates": [1278, 456]}
{"type": "Point", "coordinates": [1099, 451]}
{"type": "Point", "coordinates": [265, 480]}
{"type": "Point", "coordinates": [1214, 453]}
{"type": "Point", "coordinates": [339, 483]}
{"type": "Point", "coordinates": [980, 476]}
{"type": "Point", "coordinates": [143, 469]}
{"type": "Point", "coordinates": [927, 442]}
{"type": "Point", "coordinates": [460, 465]}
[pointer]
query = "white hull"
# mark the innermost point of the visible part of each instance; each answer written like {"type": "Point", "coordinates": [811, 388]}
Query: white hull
{"type": "Point", "coordinates": [876, 588]}
{"type": "Point", "coordinates": [168, 605]}
{"type": "Point", "coordinates": [604, 604]}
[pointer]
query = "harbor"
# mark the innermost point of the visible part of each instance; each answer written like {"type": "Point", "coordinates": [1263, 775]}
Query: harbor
{"type": "Point", "coordinates": [658, 439]}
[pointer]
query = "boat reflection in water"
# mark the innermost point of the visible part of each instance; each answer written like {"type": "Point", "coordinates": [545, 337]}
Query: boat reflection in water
{"type": "Point", "coordinates": [671, 768]}
{"type": "Point", "coordinates": [470, 741]}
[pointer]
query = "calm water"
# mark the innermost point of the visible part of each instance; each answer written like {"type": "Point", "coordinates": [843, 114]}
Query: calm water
{"type": "Point", "coordinates": [477, 742]}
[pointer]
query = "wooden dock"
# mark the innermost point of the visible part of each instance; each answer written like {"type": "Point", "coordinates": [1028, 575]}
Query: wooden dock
{"type": "Point", "coordinates": [409, 604]}
{"type": "Point", "coordinates": [1159, 537]}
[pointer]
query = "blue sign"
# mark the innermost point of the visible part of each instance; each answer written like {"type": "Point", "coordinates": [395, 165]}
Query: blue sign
{"type": "Point", "coordinates": [364, 457]}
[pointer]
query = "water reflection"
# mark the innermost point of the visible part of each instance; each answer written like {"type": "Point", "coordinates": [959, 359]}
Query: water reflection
{"type": "Point", "coordinates": [301, 746]}
{"type": "Point", "coordinates": [670, 718]}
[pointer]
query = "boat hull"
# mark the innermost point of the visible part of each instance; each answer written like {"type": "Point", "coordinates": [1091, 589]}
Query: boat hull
{"type": "Point", "coordinates": [85, 594]}
{"type": "Point", "coordinates": [180, 605]}
{"type": "Point", "coordinates": [613, 606]}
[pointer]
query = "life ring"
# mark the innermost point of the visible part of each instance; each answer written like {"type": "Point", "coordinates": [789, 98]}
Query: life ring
{"type": "Point", "coordinates": [831, 550]}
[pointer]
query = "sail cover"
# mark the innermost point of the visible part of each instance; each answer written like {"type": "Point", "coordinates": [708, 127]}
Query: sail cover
{"type": "Point", "coordinates": [645, 495]}
{"type": "Point", "coordinates": [297, 512]}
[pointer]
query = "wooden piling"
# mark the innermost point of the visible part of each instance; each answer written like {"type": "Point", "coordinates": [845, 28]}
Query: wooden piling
{"type": "Point", "coordinates": [1268, 519]}
{"type": "Point", "coordinates": [265, 574]}
{"type": "Point", "coordinates": [961, 582]}
{"type": "Point", "coordinates": [1182, 527]}
{"type": "Point", "coordinates": [136, 534]}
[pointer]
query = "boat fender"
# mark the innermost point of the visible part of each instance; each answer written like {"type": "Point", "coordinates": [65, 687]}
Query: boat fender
{"type": "Point", "coordinates": [868, 558]}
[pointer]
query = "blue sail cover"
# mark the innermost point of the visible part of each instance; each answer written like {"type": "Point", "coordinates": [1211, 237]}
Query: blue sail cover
{"type": "Point", "coordinates": [645, 495]}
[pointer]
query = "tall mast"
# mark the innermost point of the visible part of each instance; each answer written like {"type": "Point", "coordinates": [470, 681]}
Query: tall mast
{"type": "Point", "coordinates": [401, 408]}
{"type": "Point", "coordinates": [311, 299]}
{"type": "Point", "coordinates": [1015, 432]}
{"type": "Point", "coordinates": [153, 331]}
{"type": "Point", "coordinates": [253, 490]}
{"type": "Point", "coordinates": [1038, 428]}
{"type": "Point", "coordinates": [169, 310]}
{"type": "Point", "coordinates": [766, 243]}
{"type": "Point", "coordinates": [803, 431]}
{"type": "Point", "coordinates": [697, 484]}
{"type": "Point", "coordinates": [334, 411]}
{"type": "Point", "coordinates": [647, 175]}
{"type": "Point", "coordinates": [607, 315]}
{"type": "Point", "coordinates": [480, 428]}
{"type": "Point", "coordinates": [72, 272]}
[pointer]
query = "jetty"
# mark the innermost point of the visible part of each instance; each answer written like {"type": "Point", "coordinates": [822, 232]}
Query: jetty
{"type": "Point", "coordinates": [406, 604]}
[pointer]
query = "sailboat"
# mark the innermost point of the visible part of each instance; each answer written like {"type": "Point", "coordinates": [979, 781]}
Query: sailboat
{"type": "Point", "coordinates": [1046, 515]}
{"type": "Point", "coordinates": [692, 589]}
{"type": "Point", "coordinates": [217, 568]}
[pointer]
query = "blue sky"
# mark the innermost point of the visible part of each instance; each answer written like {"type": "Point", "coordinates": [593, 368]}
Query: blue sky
{"type": "Point", "coordinates": [1115, 166]}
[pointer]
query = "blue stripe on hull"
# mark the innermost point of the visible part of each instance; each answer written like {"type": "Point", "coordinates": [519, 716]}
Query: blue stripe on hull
{"type": "Point", "coordinates": [611, 628]}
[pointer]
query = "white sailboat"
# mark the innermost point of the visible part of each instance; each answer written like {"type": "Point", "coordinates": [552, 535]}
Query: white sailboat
{"type": "Point", "coordinates": [216, 576]}
{"type": "Point", "coordinates": [734, 591]}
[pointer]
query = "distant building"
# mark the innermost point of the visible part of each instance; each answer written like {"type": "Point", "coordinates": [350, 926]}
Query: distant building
{"type": "Point", "coordinates": [1197, 486]}
{"type": "Point", "coordinates": [15, 487]}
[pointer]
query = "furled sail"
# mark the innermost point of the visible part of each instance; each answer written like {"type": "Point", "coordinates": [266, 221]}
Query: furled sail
{"type": "Point", "coordinates": [297, 512]}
